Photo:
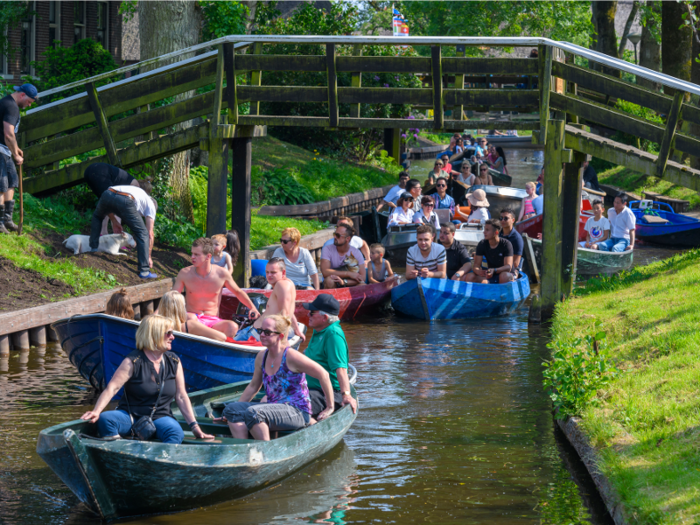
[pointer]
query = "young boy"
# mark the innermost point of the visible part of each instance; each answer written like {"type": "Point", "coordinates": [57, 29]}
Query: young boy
{"type": "Point", "coordinates": [220, 257]}
{"type": "Point", "coordinates": [379, 268]}
{"type": "Point", "coordinates": [597, 227]}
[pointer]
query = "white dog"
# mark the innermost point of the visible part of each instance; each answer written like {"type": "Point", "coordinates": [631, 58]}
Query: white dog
{"type": "Point", "coordinates": [108, 243]}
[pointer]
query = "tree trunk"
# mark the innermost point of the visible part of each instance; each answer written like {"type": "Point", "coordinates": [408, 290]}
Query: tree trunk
{"type": "Point", "coordinates": [628, 28]}
{"type": "Point", "coordinates": [605, 40]}
{"type": "Point", "coordinates": [649, 47]}
{"type": "Point", "coordinates": [676, 43]}
{"type": "Point", "coordinates": [164, 27]}
{"type": "Point", "coordinates": [250, 19]}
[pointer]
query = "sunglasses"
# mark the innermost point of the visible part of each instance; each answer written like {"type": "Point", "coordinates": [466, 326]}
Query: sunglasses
{"type": "Point", "coordinates": [484, 171]}
{"type": "Point", "coordinates": [338, 235]}
{"type": "Point", "coordinates": [312, 313]}
{"type": "Point", "coordinates": [268, 333]}
{"type": "Point", "coordinates": [441, 185]}
{"type": "Point", "coordinates": [169, 333]}
{"type": "Point", "coordinates": [438, 163]}
{"type": "Point", "coordinates": [506, 218]}
{"type": "Point", "coordinates": [429, 205]}
{"type": "Point", "coordinates": [286, 241]}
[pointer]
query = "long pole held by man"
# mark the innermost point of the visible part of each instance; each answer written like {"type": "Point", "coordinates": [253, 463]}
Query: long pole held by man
{"type": "Point", "coordinates": [11, 155]}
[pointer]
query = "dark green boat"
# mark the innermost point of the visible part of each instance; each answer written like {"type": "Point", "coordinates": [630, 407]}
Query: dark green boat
{"type": "Point", "coordinates": [122, 478]}
{"type": "Point", "coordinates": [590, 262]}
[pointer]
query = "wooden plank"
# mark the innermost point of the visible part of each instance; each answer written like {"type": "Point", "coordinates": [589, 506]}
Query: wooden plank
{"type": "Point", "coordinates": [284, 93]}
{"type": "Point", "coordinates": [318, 208]}
{"type": "Point", "coordinates": [231, 92]}
{"type": "Point", "coordinates": [218, 97]}
{"type": "Point", "coordinates": [37, 336]}
{"type": "Point", "coordinates": [255, 76]}
{"type": "Point", "coordinates": [529, 254]}
{"type": "Point", "coordinates": [489, 66]}
{"type": "Point", "coordinates": [332, 79]}
{"type": "Point", "coordinates": [217, 185]}
{"type": "Point", "coordinates": [458, 86]}
{"type": "Point", "coordinates": [20, 340]}
{"type": "Point", "coordinates": [492, 97]}
{"type": "Point", "coordinates": [571, 199]}
{"type": "Point", "coordinates": [242, 149]}
{"type": "Point", "coordinates": [671, 123]}
{"type": "Point", "coordinates": [351, 95]}
{"type": "Point", "coordinates": [259, 62]}
{"type": "Point", "coordinates": [102, 125]}
{"type": "Point", "coordinates": [369, 64]}
{"type": "Point", "coordinates": [392, 144]}
{"type": "Point", "coordinates": [356, 81]}
{"type": "Point", "coordinates": [28, 318]}
{"type": "Point", "coordinates": [436, 65]}
{"type": "Point", "coordinates": [545, 86]}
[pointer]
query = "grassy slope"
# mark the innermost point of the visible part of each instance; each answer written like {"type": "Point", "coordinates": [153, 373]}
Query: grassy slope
{"type": "Point", "coordinates": [646, 426]}
{"type": "Point", "coordinates": [636, 182]}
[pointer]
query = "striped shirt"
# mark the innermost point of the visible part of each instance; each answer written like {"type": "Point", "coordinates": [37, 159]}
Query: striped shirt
{"type": "Point", "coordinates": [436, 257]}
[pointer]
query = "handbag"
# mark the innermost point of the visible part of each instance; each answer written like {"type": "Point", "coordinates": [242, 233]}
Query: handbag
{"type": "Point", "coordinates": [144, 428]}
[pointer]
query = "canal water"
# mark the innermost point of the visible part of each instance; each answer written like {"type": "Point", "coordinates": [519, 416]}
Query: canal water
{"type": "Point", "coordinates": [453, 428]}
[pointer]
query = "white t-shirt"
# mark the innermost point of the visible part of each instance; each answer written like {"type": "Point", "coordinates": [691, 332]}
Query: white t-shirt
{"type": "Point", "coordinates": [301, 271]}
{"type": "Point", "coordinates": [436, 256]}
{"type": "Point", "coordinates": [399, 216]}
{"type": "Point", "coordinates": [355, 242]}
{"type": "Point", "coordinates": [394, 194]}
{"type": "Point", "coordinates": [482, 214]}
{"type": "Point", "coordinates": [596, 229]}
{"type": "Point", "coordinates": [620, 225]}
{"type": "Point", "coordinates": [144, 203]}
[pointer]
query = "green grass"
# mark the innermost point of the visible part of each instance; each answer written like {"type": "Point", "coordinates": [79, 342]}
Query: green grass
{"type": "Point", "coordinates": [637, 183]}
{"type": "Point", "coordinates": [646, 426]}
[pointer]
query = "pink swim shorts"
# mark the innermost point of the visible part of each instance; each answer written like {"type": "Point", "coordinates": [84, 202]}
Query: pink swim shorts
{"type": "Point", "coordinates": [208, 320]}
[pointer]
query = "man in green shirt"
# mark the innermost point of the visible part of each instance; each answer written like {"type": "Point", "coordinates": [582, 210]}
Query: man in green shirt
{"type": "Point", "coordinates": [329, 349]}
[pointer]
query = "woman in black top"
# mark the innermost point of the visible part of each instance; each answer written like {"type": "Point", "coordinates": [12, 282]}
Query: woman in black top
{"type": "Point", "coordinates": [141, 374]}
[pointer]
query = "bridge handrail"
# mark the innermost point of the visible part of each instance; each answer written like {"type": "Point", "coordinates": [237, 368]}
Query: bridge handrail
{"type": "Point", "coordinates": [242, 41]}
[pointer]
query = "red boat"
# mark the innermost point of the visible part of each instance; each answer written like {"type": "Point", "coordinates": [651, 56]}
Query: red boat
{"type": "Point", "coordinates": [354, 302]}
{"type": "Point", "coordinates": [533, 226]}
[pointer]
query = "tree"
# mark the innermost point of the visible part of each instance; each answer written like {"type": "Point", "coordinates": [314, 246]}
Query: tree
{"type": "Point", "coordinates": [650, 45]}
{"type": "Point", "coordinates": [605, 40]}
{"type": "Point", "coordinates": [628, 28]}
{"type": "Point", "coordinates": [676, 42]}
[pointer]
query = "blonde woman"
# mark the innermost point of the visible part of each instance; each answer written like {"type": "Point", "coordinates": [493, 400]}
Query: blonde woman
{"type": "Point", "coordinates": [141, 374]}
{"type": "Point", "coordinates": [282, 371]}
{"type": "Point", "coordinates": [172, 306]}
{"type": "Point", "coordinates": [301, 268]}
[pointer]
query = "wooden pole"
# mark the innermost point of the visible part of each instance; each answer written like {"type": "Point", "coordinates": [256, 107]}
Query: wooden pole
{"type": "Point", "coordinates": [392, 143]}
{"type": "Point", "coordinates": [571, 209]}
{"type": "Point", "coordinates": [242, 148]}
{"type": "Point", "coordinates": [21, 202]}
{"type": "Point", "coordinates": [436, 65]}
{"type": "Point", "coordinates": [544, 82]}
{"type": "Point", "coordinates": [218, 158]}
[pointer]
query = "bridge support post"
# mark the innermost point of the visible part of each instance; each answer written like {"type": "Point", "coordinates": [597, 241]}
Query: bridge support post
{"type": "Point", "coordinates": [392, 143]}
{"type": "Point", "coordinates": [242, 149]}
{"type": "Point", "coordinates": [573, 175]}
{"type": "Point", "coordinates": [553, 230]}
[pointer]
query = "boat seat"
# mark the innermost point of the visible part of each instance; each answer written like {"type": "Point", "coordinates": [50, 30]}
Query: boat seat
{"type": "Point", "coordinates": [654, 219]}
{"type": "Point", "coordinates": [220, 440]}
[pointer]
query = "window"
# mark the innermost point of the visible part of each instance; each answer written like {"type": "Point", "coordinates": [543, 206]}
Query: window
{"type": "Point", "coordinates": [78, 21]}
{"type": "Point", "coordinates": [26, 44]}
{"type": "Point", "coordinates": [102, 35]}
{"type": "Point", "coordinates": [54, 22]}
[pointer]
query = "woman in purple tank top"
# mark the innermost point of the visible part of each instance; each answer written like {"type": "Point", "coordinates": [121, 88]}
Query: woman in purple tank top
{"type": "Point", "coordinates": [282, 372]}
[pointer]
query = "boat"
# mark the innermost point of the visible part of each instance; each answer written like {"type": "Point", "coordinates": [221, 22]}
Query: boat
{"type": "Point", "coordinates": [431, 299]}
{"type": "Point", "coordinates": [500, 197]}
{"type": "Point", "coordinates": [125, 478]}
{"type": "Point", "coordinates": [590, 262]}
{"type": "Point", "coordinates": [399, 239]}
{"type": "Point", "coordinates": [96, 344]}
{"type": "Point", "coordinates": [354, 302]}
{"type": "Point", "coordinates": [658, 223]}
{"type": "Point", "coordinates": [533, 226]}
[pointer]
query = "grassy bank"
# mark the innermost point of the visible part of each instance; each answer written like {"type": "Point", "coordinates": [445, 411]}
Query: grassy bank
{"type": "Point", "coordinates": [637, 183]}
{"type": "Point", "coordinates": [645, 425]}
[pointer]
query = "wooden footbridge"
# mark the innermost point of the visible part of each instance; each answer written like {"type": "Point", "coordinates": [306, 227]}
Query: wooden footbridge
{"type": "Point", "coordinates": [133, 119]}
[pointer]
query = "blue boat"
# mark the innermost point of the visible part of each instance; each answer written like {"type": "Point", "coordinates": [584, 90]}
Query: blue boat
{"type": "Point", "coordinates": [431, 299]}
{"type": "Point", "coordinates": [97, 344]}
{"type": "Point", "coordinates": [658, 223]}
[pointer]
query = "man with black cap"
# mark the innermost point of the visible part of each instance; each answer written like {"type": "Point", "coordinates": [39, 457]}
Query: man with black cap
{"type": "Point", "coordinates": [23, 97]}
{"type": "Point", "coordinates": [329, 349]}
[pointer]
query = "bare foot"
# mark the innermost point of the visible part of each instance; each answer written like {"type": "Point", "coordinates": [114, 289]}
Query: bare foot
{"type": "Point", "coordinates": [312, 421]}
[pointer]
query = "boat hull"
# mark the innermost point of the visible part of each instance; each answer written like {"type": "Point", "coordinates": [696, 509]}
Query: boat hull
{"type": "Point", "coordinates": [131, 478]}
{"type": "Point", "coordinates": [97, 344]}
{"type": "Point", "coordinates": [431, 299]}
{"type": "Point", "coordinates": [533, 226]}
{"type": "Point", "coordinates": [591, 262]}
{"type": "Point", "coordinates": [354, 302]}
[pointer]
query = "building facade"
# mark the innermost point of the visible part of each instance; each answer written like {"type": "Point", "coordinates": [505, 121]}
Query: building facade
{"type": "Point", "coordinates": [66, 22]}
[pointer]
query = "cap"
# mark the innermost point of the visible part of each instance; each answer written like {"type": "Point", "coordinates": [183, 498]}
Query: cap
{"type": "Point", "coordinates": [325, 302]}
{"type": "Point", "coordinates": [406, 195]}
{"type": "Point", "coordinates": [29, 90]}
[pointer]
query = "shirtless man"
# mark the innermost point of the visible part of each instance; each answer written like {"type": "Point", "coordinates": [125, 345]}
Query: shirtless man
{"type": "Point", "coordinates": [204, 283]}
{"type": "Point", "coordinates": [281, 301]}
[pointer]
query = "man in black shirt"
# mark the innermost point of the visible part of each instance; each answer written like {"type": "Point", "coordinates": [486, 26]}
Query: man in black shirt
{"type": "Point", "coordinates": [458, 260]}
{"type": "Point", "coordinates": [23, 97]}
{"type": "Point", "coordinates": [499, 256]}
{"type": "Point", "coordinates": [512, 235]}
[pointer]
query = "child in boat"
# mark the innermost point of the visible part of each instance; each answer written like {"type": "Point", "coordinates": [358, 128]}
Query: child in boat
{"type": "Point", "coordinates": [597, 227]}
{"type": "Point", "coordinates": [379, 268]}
{"type": "Point", "coordinates": [119, 305]}
{"type": "Point", "coordinates": [220, 257]}
{"type": "Point", "coordinates": [527, 210]}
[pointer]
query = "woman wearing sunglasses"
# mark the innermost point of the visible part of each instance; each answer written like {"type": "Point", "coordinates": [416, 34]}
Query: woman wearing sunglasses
{"type": "Point", "coordinates": [301, 268]}
{"type": "Point", "coordinates": [141, 374]}
{"type": "Point", "coordinates": [282, 372]}
{"type": "Point", "coordinates": [484, 176]}
{"type": "Point", "coordinates": [403, 213]}
{"type": "Point", "coordinates": [436, 172]}
{"type": "Point", "coordinates": [427, 213]}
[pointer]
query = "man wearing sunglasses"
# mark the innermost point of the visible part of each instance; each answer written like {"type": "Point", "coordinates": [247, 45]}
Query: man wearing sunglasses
{"type": "Point", "coordinates": [23, 97]}
{"type": "Point", "coordinates": [329, 349]}
{"type": "Point", "coordinates": [356, 241]}
{"type": "Point", "coordinates": [342, 265]}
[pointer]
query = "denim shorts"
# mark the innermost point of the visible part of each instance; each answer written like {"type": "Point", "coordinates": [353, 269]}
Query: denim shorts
{"type": "Point", "coordinates": [8, 173]}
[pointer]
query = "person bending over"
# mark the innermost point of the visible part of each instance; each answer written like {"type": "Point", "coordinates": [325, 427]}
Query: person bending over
{"type": "Point", "coordinates": [282, 372]}
{"type": "Point", "coordinates": [499, 255]}
{"type": "Point", "coordinates": [172, 306]}
{"type": "Point", "coordinates": [426, 258]}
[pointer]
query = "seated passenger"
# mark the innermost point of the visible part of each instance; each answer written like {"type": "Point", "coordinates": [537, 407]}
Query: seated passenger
{"type": "Point", "coordinates": [426, 258]}
{"type": "Point", "coordinates": [403, 213]}
{"type": "Point", "coordinates": [458, 260]}
{"type": "Point", "coordinates": [465, 174]}
{"type": "Point", "coordinates": [329, 349]}
{"type": "Point", "coordinates": [513, 236]}
{"type": "Point", "coordinates": [538, 202]}
{"type": "Point", "coordinates": [142, 396]}
{"type": "Point", "coordinates": [622, 227]}
{"type": "Point", "coordinates": [442, 200]}
{"type": "Point", "coordinates": [172, 306]}
{"type": "Point", "coordinates": [341, 264]}
{"type": "Point", "coordinates": [356, 241]}
{"type": "Point", "coordinates": [282, 371]}
{"type": "Point", "coordinates": [436, 172]}
{"type": "Point", "coordinates": [499, 255]}
{"type": "Point", "coordinates": [221, 257]}
{"type": "Point", "coordinates": [379, 269]}
{"type": "Point", "coordinates": [426, 215]}
{"type": "Point", "coordinates": [484, 177]}
{"type": "Point", "coordinates": [527, 210]}
{"type": "Point", "coordinates": [597, 227]}
{"type": "Point", "coordinates": [119, 305]}
{"type": "Point", "coordinates": [394, 193]}
{"type": "Point", "coordinates": [479, 205]}
{"type": "Point", "coordinates": [299, 263]}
